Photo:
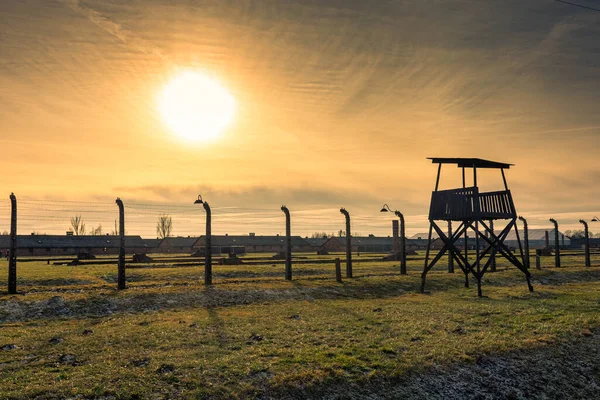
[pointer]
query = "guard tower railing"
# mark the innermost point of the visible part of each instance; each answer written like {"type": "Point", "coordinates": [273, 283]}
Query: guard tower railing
{"type": "Point", "coordinates": [468, 204]}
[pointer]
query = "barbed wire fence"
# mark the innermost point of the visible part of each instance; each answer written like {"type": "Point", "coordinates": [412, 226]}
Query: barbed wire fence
{"type": "Point", "coordinates": [53, 217]}
{"type": "Point", "coordinates": [38, 217]}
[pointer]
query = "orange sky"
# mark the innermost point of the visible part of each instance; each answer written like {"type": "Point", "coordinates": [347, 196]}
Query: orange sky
{"type": "Point", "coordinates": [337, 105]}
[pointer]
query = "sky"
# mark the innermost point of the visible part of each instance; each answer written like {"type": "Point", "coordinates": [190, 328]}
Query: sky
{"type": "Point", "coordinates": [338, 104]}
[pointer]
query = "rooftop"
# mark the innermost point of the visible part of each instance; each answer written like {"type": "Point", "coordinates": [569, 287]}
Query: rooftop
{"type": "Point", "coordinates": [78, 242]}
{"type": "Point", "coordinates": [470, 162]}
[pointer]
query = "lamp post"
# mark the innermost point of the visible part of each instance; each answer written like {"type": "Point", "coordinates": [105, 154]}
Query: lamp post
{"type": "Point", "coordinates": [586, 233]}
{"type": "Point", "coordinates": [348, 243]}
{"type": "Point", "coordinates": [386, 208]}
{"type": "Point", "coordinates": [207, 243]}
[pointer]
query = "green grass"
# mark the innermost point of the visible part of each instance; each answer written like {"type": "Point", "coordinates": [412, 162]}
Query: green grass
{"type": "Point", "coordinates": [254, 334]}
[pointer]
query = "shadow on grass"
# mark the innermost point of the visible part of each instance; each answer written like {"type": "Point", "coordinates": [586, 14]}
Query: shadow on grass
{"type": "Point", "coordinates": [537, 372]}
{"type": "Point", "coordinates": [216, 322]}
{"type": "Point", "coordinates": [136, 300]}
{"type": "Point", "coordinates": [54, 282]}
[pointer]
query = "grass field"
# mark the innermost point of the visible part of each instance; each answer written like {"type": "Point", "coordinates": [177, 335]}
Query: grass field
{"type": "Point", "coordinates": [70, 333]}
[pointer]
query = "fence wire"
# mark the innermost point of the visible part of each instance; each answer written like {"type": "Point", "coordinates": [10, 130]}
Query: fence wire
{"type": "Point", "coordinates": [50, 216]}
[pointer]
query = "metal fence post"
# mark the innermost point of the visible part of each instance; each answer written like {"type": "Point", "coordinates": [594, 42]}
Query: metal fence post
{"type": "Point", "coordinates": [121, 282]}
{"type": "Point", "coordinates": [12, 255]}
{"type": "Point", "coordinates": [288, 244]}
{"type": "Point", "coordinates": [348, 244]}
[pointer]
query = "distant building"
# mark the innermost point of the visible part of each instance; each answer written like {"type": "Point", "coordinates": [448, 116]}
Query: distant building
{"type": "Point", "coordinates": [152, 245]}
{"type": "Point", "coordinates": [579, 243]}
{"type": "Point", "coordinates": [364, 244]}
{"type": "Point", "coordinates": [56, 245]}
{"type": "Point", "coordinates": [177, 245]}
{"type": "Point", "coordinates": [334, 245]}
{"type": "Point", "coordinates": [253, 243]}
{"type": "Point", "coordinates": [316, 243]}
{"type": "Point", "coordinates": [537, 238]}
{"type": "Point", "coordinates": [424, 236]}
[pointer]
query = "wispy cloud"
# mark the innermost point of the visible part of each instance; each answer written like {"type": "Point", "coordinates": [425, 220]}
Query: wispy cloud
{"type": "Point", "coordinates": [114, 28]}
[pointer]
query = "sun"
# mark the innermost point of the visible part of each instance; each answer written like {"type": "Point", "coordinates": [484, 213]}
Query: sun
{"type": "Point", "coordinates": [195, 106]}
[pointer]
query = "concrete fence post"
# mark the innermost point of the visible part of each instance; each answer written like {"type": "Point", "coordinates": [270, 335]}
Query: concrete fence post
{"type": "Point", "coordinates": [348, 244]}
{"type": "Point", "coordinates": [556, 244]}
{"type": "Point", "coordinates": [12, 255]}
{"type": "Point", "coordinates": [338, 270]}
{"type": "Point", "coordinates": [121, 281]}
{"type": "Point", "coordinates": [396, 238]}
{"type": "Point", "coordinates": [527, 260]}
{"type": "Point", "coordinates": [588, 262]}
{"type": "Point", "coordinates": [208, 247]}
{"type": "Point", "coordinates": [402, 243]}
{"type": "Point", "coordinates": [288, 244]}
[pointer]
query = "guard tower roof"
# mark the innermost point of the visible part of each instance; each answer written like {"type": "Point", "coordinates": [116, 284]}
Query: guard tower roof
{"type": "Point", "coordinates": [470, 162]}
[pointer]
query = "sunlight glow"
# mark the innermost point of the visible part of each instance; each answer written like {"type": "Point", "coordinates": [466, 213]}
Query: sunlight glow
{"type": "Point", "coordinates": [195, 106]}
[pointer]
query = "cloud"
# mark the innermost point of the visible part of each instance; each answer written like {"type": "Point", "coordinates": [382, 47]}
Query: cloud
{"type": "Point", "coordinates": [113, 28]}
{"type": "Point", "coordinates": [250, 196]}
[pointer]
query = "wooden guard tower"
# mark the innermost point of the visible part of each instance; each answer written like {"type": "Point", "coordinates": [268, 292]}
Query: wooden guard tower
{"type": "Point", "coordinates": [473, 211]}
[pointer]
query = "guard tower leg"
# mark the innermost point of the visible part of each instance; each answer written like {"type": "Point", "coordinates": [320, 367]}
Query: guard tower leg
{"type": "Point", "coordinates": [424, 274]}
{"type": "Point", "coordinates": [450, 256]}
{"type": "Point", "coordinates": [466, 258]}
{"type": "Point", "coordinates": [477, 261]}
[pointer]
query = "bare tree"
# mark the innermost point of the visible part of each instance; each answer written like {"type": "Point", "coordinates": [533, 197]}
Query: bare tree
{"type": "Point", "coordinates": [318, 235]}
{"type": "Point", "coordinates": [115, 232]}
{"type": "Point", "coordinates": [575, 234]}
{"type": "Point", "coordinates": [96, 231]}
{"type": "Point", "coordinates": [164, 225]}
{"type": "Point", "coordinates": [77, 225]}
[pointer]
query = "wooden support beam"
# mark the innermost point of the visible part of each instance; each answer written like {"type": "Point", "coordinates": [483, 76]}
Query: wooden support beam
{"type": "Point", "coordinates": [504, 179]}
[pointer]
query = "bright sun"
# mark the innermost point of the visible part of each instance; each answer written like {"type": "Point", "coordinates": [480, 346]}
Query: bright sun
{"type": "Point", "coordinates": [195, 106]}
